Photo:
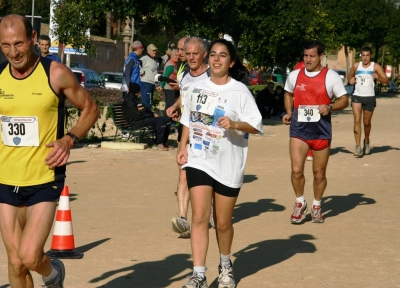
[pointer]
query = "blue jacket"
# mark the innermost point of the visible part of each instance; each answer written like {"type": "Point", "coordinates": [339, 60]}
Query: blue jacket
{"type": "Point", "coordinates": [131, 71]}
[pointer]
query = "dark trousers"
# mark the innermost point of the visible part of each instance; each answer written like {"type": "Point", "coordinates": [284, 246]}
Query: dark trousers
{"type": "Point", "coordinates": [161, 126]}
{"type": "Point", "coordinates": [146, 92]}
{"type": "Point", "coordinates": [170, 97]}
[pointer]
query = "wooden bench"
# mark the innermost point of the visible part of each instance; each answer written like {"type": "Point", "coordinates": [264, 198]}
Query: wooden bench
{"type": "Point", "coordinates": [121, 125]}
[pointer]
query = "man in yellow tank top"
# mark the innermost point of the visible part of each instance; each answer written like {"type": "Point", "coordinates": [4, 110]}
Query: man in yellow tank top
{"type": "Point", "coordinates": [34, 149]}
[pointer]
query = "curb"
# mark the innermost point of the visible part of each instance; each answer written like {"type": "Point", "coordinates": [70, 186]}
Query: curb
{"type": "Point", "coordinates": [124, 145]}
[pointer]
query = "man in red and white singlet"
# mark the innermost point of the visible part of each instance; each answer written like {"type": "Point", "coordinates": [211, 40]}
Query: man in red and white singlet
{"type": "Point", "coordinates": [308, 97]}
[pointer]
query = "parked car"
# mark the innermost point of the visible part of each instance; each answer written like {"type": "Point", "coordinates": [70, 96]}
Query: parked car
{"type": "Point", "coordinates": [257, 78]}
{"type": "Point", "coordinates": [77, 65]}
{"type": "Point", "coordinates": [87, 78]}
{"type": "Point", "coordinates": [112, 80]}
{"type": "Point", "coordinates": [342, 73]}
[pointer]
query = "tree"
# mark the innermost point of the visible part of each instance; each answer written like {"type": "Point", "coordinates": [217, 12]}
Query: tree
{"type": "Point", "coordinates": [74, 32]}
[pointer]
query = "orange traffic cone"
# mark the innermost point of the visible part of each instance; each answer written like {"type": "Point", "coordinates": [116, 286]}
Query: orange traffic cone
{"type": "Point", "coordinates": [63, 244]}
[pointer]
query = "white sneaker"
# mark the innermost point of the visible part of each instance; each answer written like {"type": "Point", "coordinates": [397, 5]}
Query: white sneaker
{"type": "Point", "coordinates": [225, 278]}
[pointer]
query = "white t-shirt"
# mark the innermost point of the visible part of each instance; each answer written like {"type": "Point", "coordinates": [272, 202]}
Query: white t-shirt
{"type": "Point", "coordinates": [220, 153]}
{"type": "Point", "coordinates": [333, 82]}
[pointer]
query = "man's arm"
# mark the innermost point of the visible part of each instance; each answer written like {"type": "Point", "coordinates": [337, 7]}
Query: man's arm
{"type": "Point", "coordinates": [173, 111]}
{"type": "Point", "coordinates": [128, 70]}
{"type": "Point", "coordinates": [352, 74]}
{"type": "Point", "coordinates": [380, 75]}
{"type": "Point", "coordinates": [288, 99]}
{"type": "Point", "coordinates": [63, 81]}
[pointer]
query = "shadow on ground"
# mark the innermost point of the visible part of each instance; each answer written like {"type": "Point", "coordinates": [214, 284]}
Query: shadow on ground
{"type": "Point", "coordinates": [264, 254]}
{"type": "Point", "coordinates": [374, 150]}
{"type": "Point", "coordinates": [249, 178]}
{"type": "Point", "coordinates": [248, 210]}
{"type": "Point", "coordinates": [92, 245]}
{"type": "Point", "coordinates": [149, 274]}
{"type": "Point", "coordinates": [335, 205]}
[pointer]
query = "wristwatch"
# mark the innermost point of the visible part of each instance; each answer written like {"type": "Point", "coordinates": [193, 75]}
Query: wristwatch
{"type": "Point", "coordinates": [75, 138]}
{"type": "Point", "coordinates": [330, 107]}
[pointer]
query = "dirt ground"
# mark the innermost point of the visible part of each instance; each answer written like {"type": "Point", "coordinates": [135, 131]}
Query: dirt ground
{"type": "Point", "coordinates": [122, 203]}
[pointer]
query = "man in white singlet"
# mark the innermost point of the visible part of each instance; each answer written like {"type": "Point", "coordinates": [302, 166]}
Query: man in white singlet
{"type": "Point", "coordinates": [363, 75]}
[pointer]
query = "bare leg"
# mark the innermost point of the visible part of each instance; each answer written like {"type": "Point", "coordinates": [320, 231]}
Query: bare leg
{"type": "Point", "coordinates": [224, 231]}
{"type": "Point", "coordinates": [200, 198]}
{"type": "Point", "coordinates": [367, 123]}
{"type": "Point", "coordinates": [357, 113]}
{"type": "Point", "coordinates": [319, 169]}
{"type": "Point", "coordinates": [25, 231]}
{"type": "Point", "coordinates": [182, 194]}
{"type": "Point", "coordinates": [298, 153]}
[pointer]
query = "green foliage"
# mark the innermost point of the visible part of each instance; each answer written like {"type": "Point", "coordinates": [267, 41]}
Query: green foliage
{"type": "Point", "coordinates": [74, 32]}
{"type": "Point", "coordinates": [24, 7]}
{"type": "Point", "coordinates": [254, 89]}
{"type": "Point", "coordinates": [103, 98]}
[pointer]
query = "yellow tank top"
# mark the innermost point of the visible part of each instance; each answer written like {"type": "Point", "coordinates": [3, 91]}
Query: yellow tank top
{"type": "Point", "coordinates": [29, 98]}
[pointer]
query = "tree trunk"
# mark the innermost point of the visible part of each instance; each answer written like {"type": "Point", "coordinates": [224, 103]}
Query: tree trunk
{"type": "Point", "coordinates": [119, 27]}
{"type": "Point", "coordinates": [169, 30]}
{"type": "Point", "coordinates": [109, 25]}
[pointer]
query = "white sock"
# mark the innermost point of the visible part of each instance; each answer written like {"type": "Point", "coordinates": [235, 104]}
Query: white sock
{"type": "Point", "coordinates": [200, 270]}
{"type": "Point", "coordinates": [225, 260]}
{"type": "Point", "coordinates": [317, 203]}
{"type": "Point", "coordinates": [301, 199]}
{"type": "Point", "coordinates": [53, 275]}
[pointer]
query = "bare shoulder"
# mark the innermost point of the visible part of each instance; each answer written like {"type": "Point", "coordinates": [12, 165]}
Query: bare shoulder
{"type": "Point", "coordinates": [377, 67]}
{"type": "Point", "coordinates": [61, 77]}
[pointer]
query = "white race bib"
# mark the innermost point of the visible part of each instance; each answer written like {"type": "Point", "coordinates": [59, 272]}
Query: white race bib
{"type": "Point", "coordinates": [365, 80]}
{"type": "Point", "coordinates": [204, 101]}
{"type": "Point", "coordinates": [20, 130]}
{"type": "Point", "coordinates": [308, 113]}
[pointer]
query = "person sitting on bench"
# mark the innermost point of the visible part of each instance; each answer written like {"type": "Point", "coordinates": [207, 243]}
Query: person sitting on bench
{"type": "Point", "coordinates": [137, 116]}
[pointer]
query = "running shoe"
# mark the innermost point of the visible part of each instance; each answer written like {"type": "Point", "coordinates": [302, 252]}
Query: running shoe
{"type": "Point", "coordinates": [299, 212]}
{"type": "Point", "coordinates": [367, 148]}
{"type": "Point", "coordinates": [196, 281]}
{"type": "Point", "coordinates": [225, 278]}
{"type": "Point", "coordinates": [185, 235]}
{"type": "Point", "coordinates": [316, 214]}
{"type": "Point", "coordinates": [57, 282]}
{"type": "Point", "coordinates": [358, 152]}
{"type": "Point", "coordinates": [309, 158]}
{"type": "Point", "coordinates": [180, 225]}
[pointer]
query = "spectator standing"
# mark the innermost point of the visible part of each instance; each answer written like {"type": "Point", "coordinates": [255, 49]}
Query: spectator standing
{"type": "Point", "coordinates": [33, 165]}
{"type": "Point", "coordinates": [147, 73]}
{"type": "Point", "coordinates": [308, 97]}
{"type": "Point", "coordinates": [363, 75]}
{"type": "Point", "coordinates": [218, 116]}
{"type": "Point", "coordinates": [171, 71]}
{"type": "Point", "coordinates": [44, 46]}
{"type": "Point", "coordinates": [131, 70]}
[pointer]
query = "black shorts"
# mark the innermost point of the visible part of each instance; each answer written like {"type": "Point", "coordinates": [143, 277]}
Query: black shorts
{"type": "Point", "coordinates": [368, 103]}
{"type": "Point", "coordinates": [196, 177]}
{"type": "Point", "coordinates": [31, 195]}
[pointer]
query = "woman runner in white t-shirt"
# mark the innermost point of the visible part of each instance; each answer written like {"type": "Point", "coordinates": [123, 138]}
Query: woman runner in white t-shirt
{"type": "Point", "coordinates": [219, 114]}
